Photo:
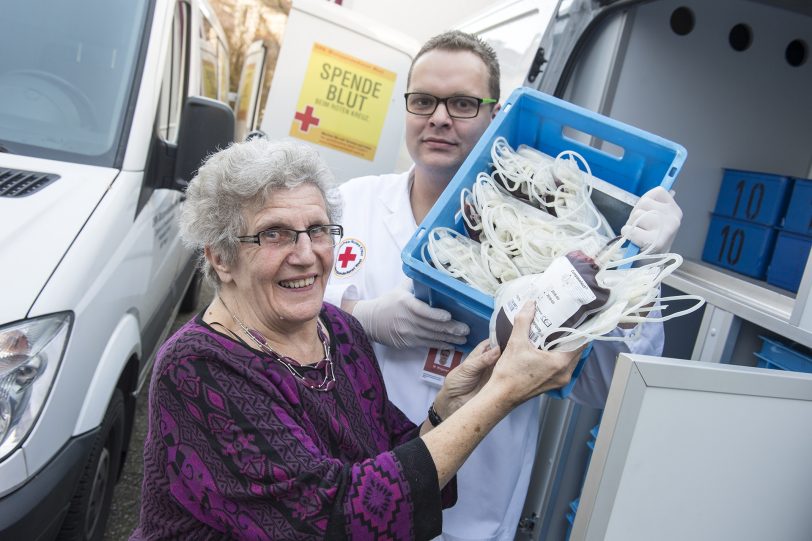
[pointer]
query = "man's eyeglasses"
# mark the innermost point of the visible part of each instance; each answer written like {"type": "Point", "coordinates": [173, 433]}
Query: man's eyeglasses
{"type": "Point", "coordinates": [277, 237]}
{"type": "Point", "coordinates": [422, 104]}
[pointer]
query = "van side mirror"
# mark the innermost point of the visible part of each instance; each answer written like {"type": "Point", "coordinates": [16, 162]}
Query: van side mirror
{"type": "Point", "coordinates": [206, 126]}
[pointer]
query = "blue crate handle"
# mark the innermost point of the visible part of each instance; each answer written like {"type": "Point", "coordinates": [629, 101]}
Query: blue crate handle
{"type": "Point", "coordinates": [565, 391]}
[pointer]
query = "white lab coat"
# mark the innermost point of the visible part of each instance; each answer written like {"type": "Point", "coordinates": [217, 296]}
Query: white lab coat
{"type": "Point", "coordinates": [493, 482]}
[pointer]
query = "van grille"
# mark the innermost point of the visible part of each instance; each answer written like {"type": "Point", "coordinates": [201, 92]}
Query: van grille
{"type": "Point", "coordinates": [16, 183]}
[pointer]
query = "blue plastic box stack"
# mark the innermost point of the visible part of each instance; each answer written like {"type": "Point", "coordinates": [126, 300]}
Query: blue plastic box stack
{"type": "Point", "coordinates": [573, 506]}
{"type": "Point", "coordinates": [778, 356]}
{"type": "Point", "coordinates": [570, 516]}
{"type": "Point", "coordinates": [543, 122]}
{"type": "Point", "coordinates": [794, 239]}
{"type": "Point", "coordinates": [742, 231]}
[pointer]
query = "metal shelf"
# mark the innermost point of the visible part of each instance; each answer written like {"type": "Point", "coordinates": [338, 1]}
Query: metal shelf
{"type": "Point", "coordinates": [752, 301]}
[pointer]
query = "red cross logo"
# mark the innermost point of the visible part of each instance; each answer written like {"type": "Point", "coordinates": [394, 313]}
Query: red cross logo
{"type": "Point", "coordinates": [307, 118]}
{"type": "Point", "coordinates": [350, 255]}
{"type": "Point", "coordinates": [346, 257]}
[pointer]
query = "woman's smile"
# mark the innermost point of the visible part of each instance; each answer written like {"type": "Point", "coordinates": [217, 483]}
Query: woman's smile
{"type": "Point", "coordinates": [299, 283]}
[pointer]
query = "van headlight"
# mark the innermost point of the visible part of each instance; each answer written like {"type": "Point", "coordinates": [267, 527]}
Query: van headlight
{"type": "Point", "coordinates": [30, 353]}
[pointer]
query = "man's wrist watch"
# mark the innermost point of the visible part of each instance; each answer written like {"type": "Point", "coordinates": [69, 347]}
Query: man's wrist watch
{"type": "Point", "coordinates": [434, 417]}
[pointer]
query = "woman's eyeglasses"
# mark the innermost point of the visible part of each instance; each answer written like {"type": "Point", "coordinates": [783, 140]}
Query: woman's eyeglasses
{"type": "Point", "coordinates": [277, 237]}
{"type": "Point", "coordinates": [419, 103]}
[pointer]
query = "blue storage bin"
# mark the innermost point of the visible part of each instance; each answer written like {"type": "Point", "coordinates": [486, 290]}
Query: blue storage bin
{"type": "Point", "coordinates": [574, 504]}
{"type": "Point", "coordinates": [755, 197]}
{"type": "Point", "coordinates": [539, 120]}
{"type": "Point", "coordinates": [799, 212]}
{"type": "Point", "coordinates": [573, 510]}
{"type": "Point", "coordinates": [777, 356]}
{"type": "Point", "coordinates": [766, 362]}
{"type": "Point", "coordinates": [594, 439]}
{"type": "Point", "coordinates": [741, 246]}
{"type": "Point", "coordinates": [570, 516]}
{"type": "Point", "coordinates": [789, 260]}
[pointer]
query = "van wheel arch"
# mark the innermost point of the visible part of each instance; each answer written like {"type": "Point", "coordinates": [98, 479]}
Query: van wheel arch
{"type": "Point", "coordinates": [90, 505]}
{"type": "Point", "coordinates": [192, 294]}
{"type": "Point", "coordinates": [128, 383]}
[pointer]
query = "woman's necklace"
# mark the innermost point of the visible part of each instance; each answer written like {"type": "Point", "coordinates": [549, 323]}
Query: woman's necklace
{"type": "Point", "coordinates": [325, 365]}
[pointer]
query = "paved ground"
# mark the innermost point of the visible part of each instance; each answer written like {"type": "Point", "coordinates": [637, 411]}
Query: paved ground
{"type": "Point", "coordinates": [127, 497]}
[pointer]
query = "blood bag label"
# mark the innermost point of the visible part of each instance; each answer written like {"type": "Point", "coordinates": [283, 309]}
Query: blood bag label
{"type": "Point", "coordinates": [558, 293]}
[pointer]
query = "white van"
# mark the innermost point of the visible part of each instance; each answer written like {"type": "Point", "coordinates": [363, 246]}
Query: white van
{"type": "Point", "coordinates": [98, 137]}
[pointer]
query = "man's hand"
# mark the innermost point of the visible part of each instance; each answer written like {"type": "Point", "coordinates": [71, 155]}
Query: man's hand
{"type": "Point", "coordinates": [399, 320]}
{"type": "Point", "coordinates": [654, 221]}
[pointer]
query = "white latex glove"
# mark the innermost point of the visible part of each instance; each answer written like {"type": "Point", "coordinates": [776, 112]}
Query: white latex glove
{"type": "Point", "coordinates": [654, 221]}
{"type": "Point", "coordinates": [399, 320]}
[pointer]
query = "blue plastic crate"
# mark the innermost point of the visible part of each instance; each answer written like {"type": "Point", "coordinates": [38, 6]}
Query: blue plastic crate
{"type": "Point", "coordinates": [764, 362]}
{"type": "Point", "coordinates": [789, 260]}
{"type": "Point", "coordinates": [776, 355]}
{"type": "Point", "coordinates": [570, 516]}
{"type": "Point", "coordinates": [738, 245]}
{"type": "Point", "coordinates": [532, 118]}
{"type": "Point", "coordinates": [754, 197]}
{"type": "Point", "coordinates": [799, 212]}
{"type": "Point", "coordinates": [594, 439]}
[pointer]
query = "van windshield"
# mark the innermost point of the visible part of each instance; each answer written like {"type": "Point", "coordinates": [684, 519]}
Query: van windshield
{"type": "Point", "coordinates": [66, 73]}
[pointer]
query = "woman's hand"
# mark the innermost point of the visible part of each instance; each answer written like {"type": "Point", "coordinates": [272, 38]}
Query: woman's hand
{"type": "Point", "coordinates": [523, 371]}
{"type": "Point", "coordinates": [466, 380]}
{"type": "Point", "coordinates": [519, 374]}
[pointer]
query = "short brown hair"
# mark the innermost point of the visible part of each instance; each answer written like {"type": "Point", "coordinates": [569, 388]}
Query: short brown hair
{"type": "Point", "coordinates": [454, 40]}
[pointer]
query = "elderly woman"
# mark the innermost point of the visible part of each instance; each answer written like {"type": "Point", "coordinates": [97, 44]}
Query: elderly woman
{"type": "Point", "coordinates": [268, 416]}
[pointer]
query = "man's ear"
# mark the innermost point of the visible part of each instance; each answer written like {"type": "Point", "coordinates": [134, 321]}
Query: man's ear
{"type": "Point", "coordinates": [220, 267]}
{"type": "Point", "coordinates": [495, 110]}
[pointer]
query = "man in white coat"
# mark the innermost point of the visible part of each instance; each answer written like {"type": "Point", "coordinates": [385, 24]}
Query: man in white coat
{"type": "Point", "coordinates": [453, 89]}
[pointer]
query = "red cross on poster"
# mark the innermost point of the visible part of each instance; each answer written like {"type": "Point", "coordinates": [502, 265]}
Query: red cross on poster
{"type": "Point", "coordinates": [307, 118]}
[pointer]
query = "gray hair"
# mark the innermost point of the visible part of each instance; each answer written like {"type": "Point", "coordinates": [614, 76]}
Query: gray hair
{"type": "Point", "coordinates": [243, 177]}
{"type": "Point", "coordinates": [456, 40]}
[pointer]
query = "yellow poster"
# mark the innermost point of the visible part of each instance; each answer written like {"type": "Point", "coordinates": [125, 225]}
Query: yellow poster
{"type": "Point", "coordinates": [343, 103]}
{"type": "Point", "coordinates": [246, 92]}
{"type": "Point", "coordinates": [209, 79]}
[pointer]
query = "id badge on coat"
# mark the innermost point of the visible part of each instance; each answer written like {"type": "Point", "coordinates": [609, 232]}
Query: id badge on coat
{"type": "Point", "coordinates": [438, 363]}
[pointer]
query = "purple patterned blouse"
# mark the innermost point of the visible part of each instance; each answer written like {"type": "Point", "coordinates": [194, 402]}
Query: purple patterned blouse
{"type": "Point", "coordinates": [238, 449]}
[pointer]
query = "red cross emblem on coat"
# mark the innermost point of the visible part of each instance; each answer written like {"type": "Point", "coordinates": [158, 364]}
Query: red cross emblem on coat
{"type": "Point", "coordinates": [349, 255]}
